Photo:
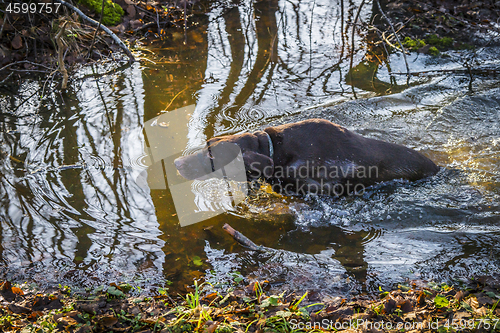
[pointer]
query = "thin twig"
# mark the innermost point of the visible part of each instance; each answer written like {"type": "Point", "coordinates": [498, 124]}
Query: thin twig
{"type": "Point", "coordinates": [173, 99]}
{"type": "Point", "coordinates": [5, 80]}
{"type": "Point", "coordinates": [352, 45]}
{"type": "Point", "coordinates": [60, 56]}
{"type": "Point", "coordinates": [96, 30]}
{"type": "Point", "coordinates": [342, 27]}
{"type": "Point", "coordinates": [49, 77]}
{"type": "Point", "coordinates": [158, 21]}
{"type": "Point", "coordinates": [24, 62]}
{"type": "Point", "coordinates": [397, 38]}
{"type": "Point", "coordinates": [103, 27]}
{"type": "Point", "coordinates": [5, 18]}
{"type": "Point", "coordinates": [311, 81]}
{"type": "Point", "coordinates": [104, 104]}
{"type": "Point", "coordinates": [29, 70]}
{"type": "Point", "coordinates": [185, 22]}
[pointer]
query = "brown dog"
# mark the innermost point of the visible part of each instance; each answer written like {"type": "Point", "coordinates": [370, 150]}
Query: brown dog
{"type": "Point", "coordinates": [311, 156]}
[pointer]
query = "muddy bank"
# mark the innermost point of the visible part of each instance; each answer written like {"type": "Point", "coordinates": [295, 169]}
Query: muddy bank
{"type": "Point", "coordinates": [417, 306]}
{"type": "Point", "coordinates": [457, 19]}
{"type": "Point", "coordinates": [440, 25]}
{"type": "Point", "coordinates": [32, 38]}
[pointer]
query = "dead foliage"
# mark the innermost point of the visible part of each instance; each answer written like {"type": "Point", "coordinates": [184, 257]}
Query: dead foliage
{"type": "Point", "coordinates": [418, 307]}
{"type": "Point", "coordinates": [28, 43]}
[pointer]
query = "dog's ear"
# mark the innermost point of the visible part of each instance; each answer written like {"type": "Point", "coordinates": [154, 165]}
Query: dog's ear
{"type": "Point", "coordinates": [276, 135]}
{"type": "Point", "coordinates": [213, 141]}
{"type": "Point", "coordinates": [258, 165]}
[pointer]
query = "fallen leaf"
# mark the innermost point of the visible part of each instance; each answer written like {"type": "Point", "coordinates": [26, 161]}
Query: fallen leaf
{"type": "Point", "coordinates": [482, 300]}
{"type": "Point", "coordinates": [421, 299]}
{"type": "Point", "coordinates": [5, 286]}
{"type": "Point", "coordinates": [17, 291]}
{"type": "Point", "coordinates": [131, 11]}
{"type": "Point", "coordinates": [211, 326]}
{"type": "Point", "coordinates": [135, 24]}
{"type": "Point", "coordinates": [18, 309]}
{"type": "Point", "coordinates": [197, 261]}
{"type": "Point", "coordinates": [407, 306]}
{"type": "Point", "coordinates": [474, 304]}
{"type": "Point", "coordinates": [17, 42]}
{"type": "Point", "coordinates": [42, 302]}
{"type": "Point", "coordinates": [6, 291]}
{"type": "Point", "coordinates": [441, 301]}
{"type": "Point", "coordinates": [211, 297]}
{"type": "Point", "coordinates": [481, 311]}
{"type": "Point", "coordinates": [461, 315]}
{"type": "Point", "coordinates": [114, 291]}
{"type": "Point", "coordinates": [460, 295]}
{"type": "Point", "coordinates": [389, 306]}
{"type": "Point", "coordinates": [35, 314]}
{"type": "Point", "coordinates": [466, 306]}
{"type": "Point", "coordinates": [108, 321]}
{"type": "Point", "coordinates": [67, 321]}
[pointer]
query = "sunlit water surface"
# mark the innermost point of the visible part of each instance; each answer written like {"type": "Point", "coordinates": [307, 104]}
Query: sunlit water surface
{"type": "Point", "coordinates": [72, 212]}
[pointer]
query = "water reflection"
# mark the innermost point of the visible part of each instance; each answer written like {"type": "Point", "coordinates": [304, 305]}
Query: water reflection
{"type": "Point", "coordinates": [72, 211]}
{"type": "Point", "coordinates": [67, 200]}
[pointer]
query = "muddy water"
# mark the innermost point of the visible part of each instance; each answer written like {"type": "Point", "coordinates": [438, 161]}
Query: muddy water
{"type": "Point", "coordinates": [72, 210]}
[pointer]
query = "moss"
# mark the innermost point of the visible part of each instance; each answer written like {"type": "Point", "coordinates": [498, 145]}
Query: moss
{"type": "Point", "coordinates": [463, 46]}
{"type": "Point", "coordinates": [113, 13]}
{"type": "Point", "coordinates": [413, 44]}
{"type": "Point", "coordinates": [438, 44]}
{"type": "Point", "coordinates": [447, 41]}
{"type": "Point", "coordinates": [433, 51]}
{"type": "Point", "coordinates": [441, 43]}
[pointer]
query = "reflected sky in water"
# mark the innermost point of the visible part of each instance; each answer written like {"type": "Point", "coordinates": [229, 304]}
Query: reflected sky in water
{"type": "Point", "coordinates": [72, 212]}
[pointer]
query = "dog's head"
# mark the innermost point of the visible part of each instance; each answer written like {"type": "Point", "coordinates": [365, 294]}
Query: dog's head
{"type": "Point", "coordinates": [220, 151]}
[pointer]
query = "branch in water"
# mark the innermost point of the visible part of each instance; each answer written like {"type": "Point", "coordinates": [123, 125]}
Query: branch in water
{"type": "Point", "coordinates": [242, 239]}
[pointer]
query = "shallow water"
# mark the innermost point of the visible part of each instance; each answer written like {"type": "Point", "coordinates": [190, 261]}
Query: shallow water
{"type": "Point", "coordinates": [73, 212]}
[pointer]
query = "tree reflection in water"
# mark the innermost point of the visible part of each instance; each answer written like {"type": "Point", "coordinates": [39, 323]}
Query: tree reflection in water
{"type": "Point", "coordinates": [72, 211]}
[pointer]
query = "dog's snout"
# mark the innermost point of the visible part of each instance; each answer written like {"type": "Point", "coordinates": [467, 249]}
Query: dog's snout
{"type": "Point", "coordinates": [178, 163]}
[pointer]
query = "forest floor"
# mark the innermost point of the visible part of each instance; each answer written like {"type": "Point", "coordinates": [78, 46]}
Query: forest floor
{"type": "Point", "coordinates": [415, 307]}
{"type": "Point", "coordinates": [459, 19]}
{"type": "Point", "coordinates": [432, 26]}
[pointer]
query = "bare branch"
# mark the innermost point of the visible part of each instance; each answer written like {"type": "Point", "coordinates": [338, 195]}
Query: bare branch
{"type": "Point", "coordinates": [397, 38]}
{"type": "Point", "coordinates": [60, 56]}
{"type": "Point", "coordinates": [103, 27]}
{"type": "Point", "coordinates": [242, 239]}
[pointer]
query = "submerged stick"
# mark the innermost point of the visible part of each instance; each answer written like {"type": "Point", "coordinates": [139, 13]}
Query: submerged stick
{"type": "Point", "coordinates": [60, 57]}
{"type": "Point", "coordinates": [455, 71]}
{"type": "Point", "coordinates": [103, 27]}
{"type": "Point", "coordinates": [352, 46]}
{"type": "Point", "coordinates": [242, 239]}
